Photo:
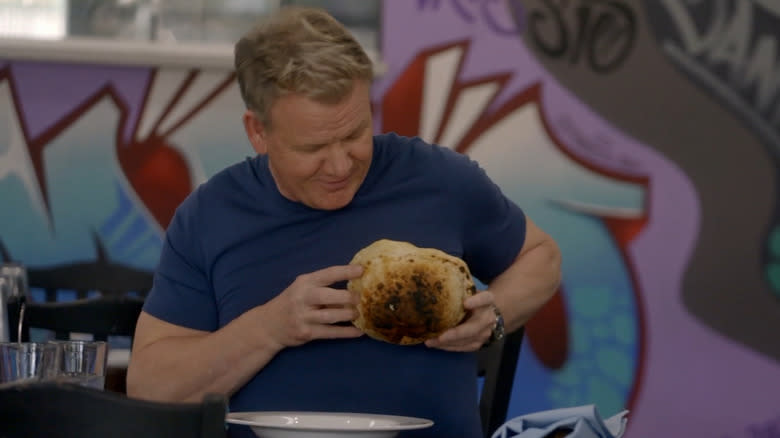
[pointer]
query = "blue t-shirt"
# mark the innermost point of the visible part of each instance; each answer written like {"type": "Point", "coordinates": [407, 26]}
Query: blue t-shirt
{"type": "Point", "coordinates": [236, 243]}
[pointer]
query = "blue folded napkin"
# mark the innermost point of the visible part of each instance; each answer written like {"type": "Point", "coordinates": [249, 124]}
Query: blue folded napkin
{"type": "Point", "coordinates": [580, 422]}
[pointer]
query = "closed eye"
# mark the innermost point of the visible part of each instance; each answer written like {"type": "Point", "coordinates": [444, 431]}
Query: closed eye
{"type": "Point", "coordinates": [354, 135]}
{"type": "Point", "coordinates": [357, 133]}
{"type": "Point", "coordinates": [310, 147]}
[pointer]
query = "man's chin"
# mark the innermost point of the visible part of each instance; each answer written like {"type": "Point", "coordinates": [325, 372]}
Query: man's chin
{"type": "Point", "coordinates": [332, 201]}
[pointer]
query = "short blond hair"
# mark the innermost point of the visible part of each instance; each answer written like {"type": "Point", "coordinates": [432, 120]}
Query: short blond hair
{"type": "Point", "coordinates": [298, 50]}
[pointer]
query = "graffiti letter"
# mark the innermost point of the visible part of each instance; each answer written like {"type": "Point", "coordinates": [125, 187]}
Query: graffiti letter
{"type": "Point", "coordinates": [732, 46]}
{"type": "Point", "coordinates": [694, 42]}
{"type": "Point", "coordinates": [612, 38]}
{"type": "Point", "coordinates": [423, 4]}
{"type": "Point", "coordinates": [490, 17]}
{"type": "Point", "coordinates": [537, 19]}
{"type": "Point", "coordinates": [462, 11]}
{"type": "Point", "coordinates": [763, 70]}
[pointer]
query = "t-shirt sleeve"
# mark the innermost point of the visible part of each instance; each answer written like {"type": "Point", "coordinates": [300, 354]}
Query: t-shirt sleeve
{"type": "Point", "coordinates": [181, 293]}
{"type": "Point", "coordinates": [493, 225]}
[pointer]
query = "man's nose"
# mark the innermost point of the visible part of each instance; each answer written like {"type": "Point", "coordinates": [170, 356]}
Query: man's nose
{"type": "Point", "coordinates": [338, 162]}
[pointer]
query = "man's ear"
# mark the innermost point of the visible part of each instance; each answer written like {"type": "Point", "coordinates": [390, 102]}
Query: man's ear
{"type": "Point", "coordinates": [255, 131]}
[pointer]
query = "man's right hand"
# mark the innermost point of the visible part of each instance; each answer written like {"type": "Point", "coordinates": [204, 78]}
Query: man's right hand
{"type": "Point", "coordinates": [309, 309]}
{"type": "Point", "coordinates": [169, 363]}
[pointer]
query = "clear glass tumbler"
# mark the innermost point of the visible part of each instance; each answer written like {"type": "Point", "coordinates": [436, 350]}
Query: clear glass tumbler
{"type": "Point", "coordinates": [27, 361]}
{"type": "Point", "coordinates": [82, 362]}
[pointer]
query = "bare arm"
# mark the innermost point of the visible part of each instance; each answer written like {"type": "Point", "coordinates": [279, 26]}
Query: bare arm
{"type": "Point", "coordinates": [522, 289]}
{"type": "Point", "coordinates": [530, 281]}
{"type": "Point", "coordinates": [174, 363]}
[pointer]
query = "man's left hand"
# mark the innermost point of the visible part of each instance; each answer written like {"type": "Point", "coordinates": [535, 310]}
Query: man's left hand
{"type": "Point", "coordinates": [476, 328]}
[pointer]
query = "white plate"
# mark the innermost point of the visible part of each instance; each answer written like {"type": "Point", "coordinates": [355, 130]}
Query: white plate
{"type": "Point", "coordinates": [325, 424]}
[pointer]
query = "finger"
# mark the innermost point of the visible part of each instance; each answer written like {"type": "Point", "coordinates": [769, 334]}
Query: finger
{"type": "Point", "coordinates": [476, 328]}
{"type": "Point", "coordinates": [462, 348]}
{"type": "Point", "coordinates": [466, 331]}
{"type": "Point", "coordinates": [480, 299]}
{"type": "Point", "coordinates": [332, 315]}
{"type": "Point", "coordinates": [326, 296]}
{"type": "Point", "coordinates": [336, 332]}
{"type": "Point", "coordinates": [474, 346]}
{"type": "Point", "coordinates": [333, 274]}
{"type": "Point", "coordinates": [479, 338]}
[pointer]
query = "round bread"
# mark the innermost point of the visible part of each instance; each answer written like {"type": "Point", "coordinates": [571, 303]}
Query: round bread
{"type": "Point", "coordinates": [409, 294]}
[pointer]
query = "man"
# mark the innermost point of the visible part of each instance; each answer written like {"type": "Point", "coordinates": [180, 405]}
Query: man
{"type": "Point", "coordinates": [248, 298]}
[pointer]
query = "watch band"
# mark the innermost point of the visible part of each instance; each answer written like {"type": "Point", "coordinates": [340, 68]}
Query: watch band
{"type": "Point", "coordinates": [498, 328]}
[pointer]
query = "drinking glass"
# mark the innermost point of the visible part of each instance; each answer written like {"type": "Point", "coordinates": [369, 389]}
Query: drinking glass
{"type": "Point", "coordinates": [27, 361]}
{"type": "Point", "coordinates": [82, 362]}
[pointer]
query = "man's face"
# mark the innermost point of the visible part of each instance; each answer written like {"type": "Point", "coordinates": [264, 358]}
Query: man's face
{"type": "Point", "coordinates": [319, 154]}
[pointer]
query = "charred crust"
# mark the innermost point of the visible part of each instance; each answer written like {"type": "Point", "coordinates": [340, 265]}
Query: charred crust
{"type": "Point", "coordinates": [392, 302]}
{"type": "Point", "coordinates": [406, 299]}
{"type": "Point", "coordinates": [409, 309]}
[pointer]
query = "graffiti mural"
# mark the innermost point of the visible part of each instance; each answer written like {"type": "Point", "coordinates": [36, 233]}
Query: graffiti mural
{"type": "Point", "coordinates": [572, 197]}
{"type": "Point", "coordinates": [640, 135]}
{"type": "Point", "coordinates": [730, 49]}
{"type": "Point", "coordinates": [94, 161]}
{"type": "Point", "coordinates": [625, 210]}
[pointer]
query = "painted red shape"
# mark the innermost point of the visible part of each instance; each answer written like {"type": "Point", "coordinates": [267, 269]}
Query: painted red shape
{"type": "Point", "coordinates": [624, 230]}
{"type": "Point", "coordinates": [548, 333]}
{"type": "Point", "coordinates": [159, 174]}
{"type": "Point", "coordinates": [402, 104]}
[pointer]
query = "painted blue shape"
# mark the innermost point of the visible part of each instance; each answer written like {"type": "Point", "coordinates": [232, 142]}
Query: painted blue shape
{"type": "Point", "coordinates": [137, 228]}
{"type": "Point", "coordinates": [123, 209]}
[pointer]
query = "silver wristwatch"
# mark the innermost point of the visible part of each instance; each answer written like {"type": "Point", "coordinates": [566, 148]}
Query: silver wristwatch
{"type": "Point", "coordinates": [498, 328]}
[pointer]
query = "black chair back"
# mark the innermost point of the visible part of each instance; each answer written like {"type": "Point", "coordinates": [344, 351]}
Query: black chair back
{"type": "Point", "coordinates": [58, 410]}
{"type": "Point", "coordinates": [497, 365]}
{"type": "Point", "coordinates": [100, 274]}
{"type": "Point", "coordinates": [120, 288]}
{"type": "Point", "coordinates": [101, 316]}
